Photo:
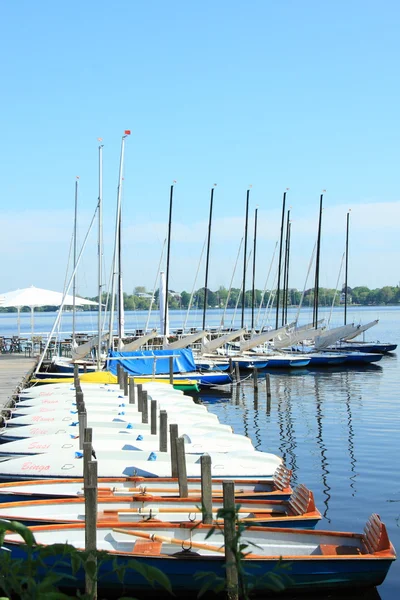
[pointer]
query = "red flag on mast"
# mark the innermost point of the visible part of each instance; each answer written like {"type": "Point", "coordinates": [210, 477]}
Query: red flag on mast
{"type": "Point", "coordinates": [127, 132]}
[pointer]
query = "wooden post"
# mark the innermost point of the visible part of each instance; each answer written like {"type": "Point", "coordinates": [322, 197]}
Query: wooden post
{"type": "Point", "coordinates": [139, 389]}
{"type": "Point", "coordinates": [171, 370]}
{"type": "Point", "coordinates": [163, 431]}
{"type": "Point", "coordinates": [87, 457]}
{"type": "Point", "coordinates": [182, 474]}
{"type": "Point", "coordinates": [231, 369]}
{"type": "Point", "coordinates": [131, 390]}
{"type": "Point", "coordinates": [118, 373]}
{"type": "Point", "coordinates": [145, 407]}
{"type": "Point", "coordinates": [121, 378]}
{"type": "Point", "coordinates": [237, 372]}
{"type": "Point", "coordinates": [76, 375]}
{"type": "Point", "coordinates": [255, 379]}
{"type": "Point", "coordinates": [173, 435]}
{"type": "Point", "coordinates": [206, 488]}
{"type": "Point", "coordinates": [85, 368]}
{"type": "Point", "coordinates": [231, 571]}
{"type": "Point", "coordinates": [126, 378]}
{"type": "Point", "coordinates": [268, 386]}
{"type": "Point", "coordinates": [88, 435]}
{"type": "Point", "coordinates": [153, 417]}
{"type": "Point", "coordinates": [79, 399]}
{"type": "Point", "coordinates": [90, 493]}
{"type": "Point", "coordinates": [82, 417]}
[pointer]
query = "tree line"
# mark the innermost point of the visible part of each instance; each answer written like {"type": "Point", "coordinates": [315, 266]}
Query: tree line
{"type": "Point", "coordinates": [140, 299]}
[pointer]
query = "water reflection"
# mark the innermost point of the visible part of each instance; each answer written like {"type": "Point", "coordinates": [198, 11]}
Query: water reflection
{"type": "Point", "coordinates": [321, 445]}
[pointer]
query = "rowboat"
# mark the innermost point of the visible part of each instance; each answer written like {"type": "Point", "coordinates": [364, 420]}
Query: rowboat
{"type": "Point", "coordinates": [275, 488]}
{"type": "Point", "coordinates": [312, 560]}
{"type": "Point", "coordinates": [298, 511]}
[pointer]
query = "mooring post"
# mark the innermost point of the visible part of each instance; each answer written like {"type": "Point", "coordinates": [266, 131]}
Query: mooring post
{"type": "Point", "coordinates": [171, 370]}
{"type": "Point", "coordinates": [231, 569]}
{"type": "Point", "coordinates": [121, 378]}
{"type": "Point", "coordinates": [118, 373]}
{"type": "Point", "coordinates": [126, 379]}
{"type": "Point", "coordinates": [153, 417]}
{"type": "Point", "coordinates": [206, 488]}
{"type": "Point", "coordinates": [182, 473]}
{"type": "Point", "coordinates": [131, 390]}
{"type": "Point", "coordinates": [76, 375]}
{"type": "Point", "coordinates": [163, 431]}
{"type": "Point", "coordinates": [173, 435]}
{"type": "Point", "coordinates": [139, 389]}
{"type": "Point", "coordinates": [237, 372]}
{"type": "Point", "coordinates": [145, 407]}
{"type": "Point", "coordinates": [268, 386]}
{"type": "Point", "coordinates": [90, 493]}
{"type": "Point", "coordinates": [255, 379]}
{"type": "Point", "coordinates": [82, 418]}
{"type": "Point", "coordinates": [88, 435]}
{"type": "Point", "coordinates": [231, 369]}
{"type": "Point", "coordinates": [87, 457]}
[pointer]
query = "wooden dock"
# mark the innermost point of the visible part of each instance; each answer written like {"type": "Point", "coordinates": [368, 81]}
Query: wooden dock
{"type": "Point", "coordinates": [15, 370]}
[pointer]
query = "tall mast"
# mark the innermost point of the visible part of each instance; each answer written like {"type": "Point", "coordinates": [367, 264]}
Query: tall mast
{"type": "Point", "coordinates": [208, 256]}
{"type": "Point", "coordinates": [254, 269]}
{"type": "Point", "coordinates": [280, 260]}
{"type": "Point", "coordinates": [287, 268]}
{"type": "Point", "coordinates": [245, 256]}
{"type": "Point", "coordinates": [171, 196]}
{"type": "Point", "coordinates": [100, 252]}
{"type": "Point", "coordinates": [74, 261]}
{"type": "Point", "coordinates": [317, 264]}
{"type": "Point", "coordinates": [346, 268]}
{"type": "Point", "coordinates": [116, 261]}
{"type": "Point", "coordinates": [285, 271]}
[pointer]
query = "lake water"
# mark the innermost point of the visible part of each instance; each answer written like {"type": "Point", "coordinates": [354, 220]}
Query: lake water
{"type": "Point", "coordinates": [337, 428]}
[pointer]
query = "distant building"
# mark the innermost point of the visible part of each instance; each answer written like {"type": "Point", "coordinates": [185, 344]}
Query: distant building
{"type": "Point", "coordinates": [343, 297]}
{"type": "Point", "coordinates": [143, 295]}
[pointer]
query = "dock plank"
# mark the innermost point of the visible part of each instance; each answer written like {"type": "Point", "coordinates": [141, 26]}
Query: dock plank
{"type": "Point", "coordinates": [15, 369]}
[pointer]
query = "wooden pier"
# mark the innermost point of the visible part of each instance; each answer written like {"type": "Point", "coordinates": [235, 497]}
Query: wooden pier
{"type": "Point", "coordinates": [15, 370]}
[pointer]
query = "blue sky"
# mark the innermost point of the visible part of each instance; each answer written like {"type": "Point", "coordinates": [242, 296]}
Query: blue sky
{"type": "Point", "coordinates": [290, 94]}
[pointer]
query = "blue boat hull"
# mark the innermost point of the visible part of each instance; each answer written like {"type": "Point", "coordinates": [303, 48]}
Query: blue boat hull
{"type": "Point", "coordinates": [306, 574]}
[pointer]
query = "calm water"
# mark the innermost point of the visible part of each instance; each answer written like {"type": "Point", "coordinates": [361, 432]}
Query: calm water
{"type": "Point", "coordinates": [338, 429]}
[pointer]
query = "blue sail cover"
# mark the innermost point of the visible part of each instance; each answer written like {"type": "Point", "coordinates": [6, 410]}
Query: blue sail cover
{"type": "Point", "coordinates": [149, 362]}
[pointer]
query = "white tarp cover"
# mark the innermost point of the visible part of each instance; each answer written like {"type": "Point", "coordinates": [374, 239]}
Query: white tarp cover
{"type": "Point", "coordinates": [361, 329]}
{"type": "Point", "coordinates": [135, 344]}
{"type": "Point", "coordinates": [79, 351]}
{"type": "Point", "coordinates": [331, 336]}
{"type": "Point", "coordinates": [186, 340]}
{"type": "Point", "coordinates": [261, 338]}
{"type": "Point", "coordinates": [221, 340]}
{"type": "Point", "coordinates": [296, 336]}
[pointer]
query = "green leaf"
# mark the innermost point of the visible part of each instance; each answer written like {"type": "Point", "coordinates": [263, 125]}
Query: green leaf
{"type": "Point", "coordinates": [23, 531]}
{"type": "Point", "coordinates": [151, 574]}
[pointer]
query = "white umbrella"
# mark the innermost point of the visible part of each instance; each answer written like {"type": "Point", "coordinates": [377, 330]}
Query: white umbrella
{"type": "Point", "coordinates": [33, 296]}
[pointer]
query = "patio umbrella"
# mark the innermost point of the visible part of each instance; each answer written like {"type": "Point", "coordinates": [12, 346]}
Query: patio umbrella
{"type": "Point", "coordinates": [33, 297]}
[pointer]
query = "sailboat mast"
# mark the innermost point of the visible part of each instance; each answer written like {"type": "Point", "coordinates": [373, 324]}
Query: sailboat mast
{"type": "Point", "coordinates": [284, 272]}
{"type": "Point", "coordinates": [280, 261]}
{"type": "Point", "coordinates": [346, 268]}
{"type": "Point", "coordinates": [317, 264]}
{"type": "Point", "coordinates": [74, 262]}
{"type": "Point", "coordinates": [116, 264]}
{"type": "Point", "coordinates": [287, 261]}
{"type": "Point", "coordinates": [253, 295]}
{"type": "Point", "coordinates": [100, 254]}
{"type": "Point", "coordinates": [171, 196]}
{"type": "Point", "coordinates": [208, 256]}
{"type": "Point", "coordinates": [245, 256]}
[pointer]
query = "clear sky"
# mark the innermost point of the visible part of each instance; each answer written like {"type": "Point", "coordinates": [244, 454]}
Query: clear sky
{"type": "Point", "coordinates": [290, 94]}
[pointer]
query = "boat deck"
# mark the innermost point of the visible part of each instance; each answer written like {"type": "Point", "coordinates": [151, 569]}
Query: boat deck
{"type": "Point", "coordinates": [15, 370]}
